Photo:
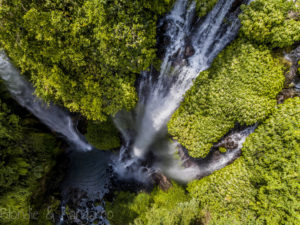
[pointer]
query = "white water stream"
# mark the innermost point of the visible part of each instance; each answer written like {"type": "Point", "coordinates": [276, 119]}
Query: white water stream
{"type": "Point", "coordinates": [192, 46]}
{"type": "Point", "coordinates": [56, 118]}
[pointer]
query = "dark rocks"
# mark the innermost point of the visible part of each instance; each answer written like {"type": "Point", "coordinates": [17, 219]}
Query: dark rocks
{"type": "Point", "coordinates": [189, 51]}
{"type": "Point", "coordinates": [285, 94]}
{"type": "Point", "coordinates": [81, 209]}
{"type": "Point", "coordinates": [229, 143]}
{"type": "Point", "coordinates": [166, 40]}
{"type": "Point", "coordinates": [291, 78]}
{"type": "Point", "coordinates": [180, 62]}
{"type": "Point", "coordinates": [162, 181]}
{"type": "Point", "coordinates": [235, 5]}
{"type": "Point", "coordinates": [176, 54]}
{"type": "Point", "coordinates": [186, 160]}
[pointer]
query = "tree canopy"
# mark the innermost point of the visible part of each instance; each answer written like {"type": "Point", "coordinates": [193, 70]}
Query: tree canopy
{"type": "Point", "coordinates": [272, 22]}
{"type": "Point", "coordinates": [260, 188]}
{"type": "Point", "coordinates": [240, 87]}
{"type": "Point", "coordinates": [84, 54]}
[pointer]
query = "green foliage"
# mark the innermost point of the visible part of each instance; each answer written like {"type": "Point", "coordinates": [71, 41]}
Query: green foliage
{"type": "Point", "coordinates": [226, 196]}
{"type": "Point", "coordinates": [47, 212]}
{"type": "Point", "coordinates": [261, 187]}
{"type": "Point", "coordinates": [205, 6]}
{"type": "Point", "coordinates": [103, 135]}
{"type": "Point", "coordinates": [85, 54]}
{"type": "Point", "coordinates": [272, 22]}
{"type": "Point", "coordinates": [127, 206]}
{"type": "Point", "coordinates": [241, 86]}
{"type": "Point", "coordinates": [159, 207]}
{"type": "Point", "coordinates": [14, 206]}
{"type": "Point", "coordinates": [27, 154]}
{"type": "Point", "coordinates": [272, 155]}
{"type": "Point", "coordinates": [13, 165]}
{"type": "Point", "coordinates": [222, 149]}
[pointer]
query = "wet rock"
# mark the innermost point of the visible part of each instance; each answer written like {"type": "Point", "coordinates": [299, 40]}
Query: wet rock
{"type": "Point", "coordinates": [189, 51]}
{"type": "Point", "coordinates": [291, 78]}
{"type": "Point", "coordinates": [176, 54]}
{"type": "Point", "coordinates": [216, 156]}
{"type": "Point", "coordinates": [180, 62]}
{"type": "Point", "coordinates": [294, 15]}
{"type": "Point", "coordinates": [166, 40]}
{"type": "Point", "coordinates": [285, 94]}
{"type": "Point", "coordinates": [235, 5]}
{"type": "Point", "coordinates": [229, 143]}
{"type": "Point", "coordinates": [186, 160]}
{"type": "Point", "coordinates": [81, 209]}
{"type": "Point", "coordinates": [162, 181]}
{"type": "Point", "coordinates": [291, 75]}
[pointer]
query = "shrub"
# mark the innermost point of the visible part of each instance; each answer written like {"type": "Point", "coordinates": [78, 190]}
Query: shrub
{"type": "Point", "coordinates": [103, 135]}
{"type": "Point", "coordinates": [271, 22]}
{"type": "Point", "coordinates": [272, 156]}
{"type": "Point", "coordinates": [85, 54]}
{"type": "Point", "coordinates": [204, 6]}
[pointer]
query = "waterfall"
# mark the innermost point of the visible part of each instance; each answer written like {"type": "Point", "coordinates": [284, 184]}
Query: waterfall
{"type": "Point", "coordinates": [191, 47]}
{"type": "Point", "coordinates": [53, 116]}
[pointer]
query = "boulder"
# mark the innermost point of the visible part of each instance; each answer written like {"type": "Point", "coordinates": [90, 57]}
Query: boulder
{"type": "Point", "coordinates": [189, 51]}
{"type": "Point", "coordinates": [162, 181]}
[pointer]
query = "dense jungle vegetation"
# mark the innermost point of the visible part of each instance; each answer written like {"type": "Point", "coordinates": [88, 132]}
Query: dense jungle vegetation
{"type": "Point", "coordinates": [261, 187]}
{"type": "Point", "coordinates": [87, 55]}
{"type": "Point", "coordinates": [29, 152]}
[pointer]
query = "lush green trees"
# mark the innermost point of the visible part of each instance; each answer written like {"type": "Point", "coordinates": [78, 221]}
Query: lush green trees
{"type": "Point", "coordinates": [85, 54]}
{"type": "Point", "coordinates": [226, 196]}
{"type": "Point", "coordinates": [241, 86]}
{"type": "Point", "coordinates": [168, 208]}
{"type": "Point", "coordinates": [15, 207]}
{"type": "Point", "coordinates": [272, 156]}
{"type": "Point", "coordinates": [205, 6]}
{"type": "Point", "coordinates": [27, 153]}
{"type": "Point", "coordinates": [259, 188]}
{"type": "Point", "coordinates": [272, 22]}
{"type": "Point", "coordinates": [13, 165]}
{"type": "Point", "coordinates": [103, 136]}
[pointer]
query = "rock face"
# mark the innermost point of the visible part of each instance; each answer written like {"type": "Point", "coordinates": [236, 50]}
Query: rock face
{"type": "Point", "coordinates": [292, 81]}
{"type": "Point", "coordinates": [80, 209]}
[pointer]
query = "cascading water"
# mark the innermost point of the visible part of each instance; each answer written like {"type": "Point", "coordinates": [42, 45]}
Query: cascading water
{"type": "Point", "coordinates": [54, 117]}
{"type": "Point", "coordinates": [191, 48]}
